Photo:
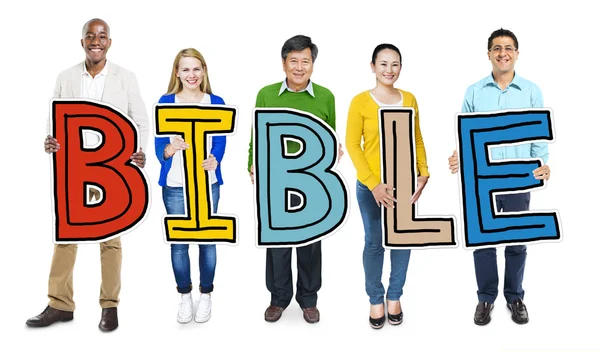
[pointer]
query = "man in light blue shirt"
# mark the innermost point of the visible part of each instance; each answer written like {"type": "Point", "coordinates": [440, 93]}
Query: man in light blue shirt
{"type": "Point", "coordinates": [487, 95]}
{"type": "Point", "coordinates": [504, 89]}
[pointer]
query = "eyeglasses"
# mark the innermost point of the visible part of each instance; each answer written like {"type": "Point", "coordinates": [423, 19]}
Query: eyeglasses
{"type": "Point", "coordinates": [497, 49]}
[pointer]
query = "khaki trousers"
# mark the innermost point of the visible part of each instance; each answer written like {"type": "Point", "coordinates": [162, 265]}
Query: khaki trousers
{"type": "Point", "coordinates": [60, 283]}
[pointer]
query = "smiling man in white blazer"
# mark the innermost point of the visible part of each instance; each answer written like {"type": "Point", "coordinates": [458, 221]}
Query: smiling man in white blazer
{"type": "Point", "coordinates": [97, 79]}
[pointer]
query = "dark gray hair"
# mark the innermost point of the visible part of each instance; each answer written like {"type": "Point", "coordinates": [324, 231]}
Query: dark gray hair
{"type": "Point", "coordinates": [299, 43]}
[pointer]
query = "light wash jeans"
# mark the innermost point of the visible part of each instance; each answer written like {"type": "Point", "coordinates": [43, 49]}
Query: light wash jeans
{"type": "Point", "coordinates": [180, 259]}
{"type": "Point", "coordinates": [373, 251]}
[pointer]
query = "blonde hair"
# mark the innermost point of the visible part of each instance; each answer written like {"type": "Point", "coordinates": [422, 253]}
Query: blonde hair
{"type": "Point", "coordinates": [175, 85]}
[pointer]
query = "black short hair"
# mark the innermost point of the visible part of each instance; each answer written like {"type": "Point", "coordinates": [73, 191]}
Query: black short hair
{"type": "Point", "coordinates": [384, 46]}
{"type": "Point", "coordinates": [503, 33]}
{"type": "Point", "coordinates": [85, 26]}
{"type": "Point", "coordinates": [299, 43]}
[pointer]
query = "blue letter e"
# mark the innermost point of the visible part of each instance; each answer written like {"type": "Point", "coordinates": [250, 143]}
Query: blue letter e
{"type": "Point", "coordinates": [482, 177]}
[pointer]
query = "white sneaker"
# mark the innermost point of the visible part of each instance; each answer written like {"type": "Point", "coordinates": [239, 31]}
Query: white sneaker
{"type": "Point", "coordinates": [184, 315]}
{"type": "Point", "coordinates": [204, 308]}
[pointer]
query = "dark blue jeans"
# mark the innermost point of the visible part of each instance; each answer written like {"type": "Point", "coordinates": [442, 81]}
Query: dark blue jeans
{"type": "Point", "coordinates": [486, 266]}
{"type": "Point", "coordinates": [180, 259]}
{"type": "Point", "coordinates": [373, 251]}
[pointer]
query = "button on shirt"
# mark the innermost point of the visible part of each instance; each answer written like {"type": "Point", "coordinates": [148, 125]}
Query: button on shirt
{"type": "Point", "coordinates": [92, 88]}
{"type": "Point", "coordinates": [486, 95]}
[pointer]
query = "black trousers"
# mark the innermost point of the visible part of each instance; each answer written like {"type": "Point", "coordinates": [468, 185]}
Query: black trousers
{"type": "Point", "coordinates": [279, 273]}
{"type": "Point", "coordinates": [486, 266]}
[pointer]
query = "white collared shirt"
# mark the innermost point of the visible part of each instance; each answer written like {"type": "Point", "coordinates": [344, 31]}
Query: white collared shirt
{"type": "Point", "coordinates": [93, 87]}
{"type": "Point", "coordinates": [285, 87]}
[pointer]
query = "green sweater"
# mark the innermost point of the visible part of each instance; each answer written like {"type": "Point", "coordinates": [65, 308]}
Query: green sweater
{"type": "Point", "coordinates": [321, 105]}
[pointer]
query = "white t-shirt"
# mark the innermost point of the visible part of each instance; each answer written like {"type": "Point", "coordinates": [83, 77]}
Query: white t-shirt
{"type": "Point", "coordinates": [175, 175]}
{"type": "Point", "coordinates": [399, 103]}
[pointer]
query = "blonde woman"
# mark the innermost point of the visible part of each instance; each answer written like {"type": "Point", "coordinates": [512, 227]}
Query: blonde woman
{"type": "Point", "coordinates": [190, 84]}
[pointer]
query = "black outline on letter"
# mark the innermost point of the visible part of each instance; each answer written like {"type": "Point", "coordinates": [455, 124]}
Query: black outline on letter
{"type": "Point", "coordinates": [413, 171]}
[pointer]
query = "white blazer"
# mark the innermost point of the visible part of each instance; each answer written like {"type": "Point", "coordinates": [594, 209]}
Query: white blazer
{"type": "Point", "coordinates": [121, 90]}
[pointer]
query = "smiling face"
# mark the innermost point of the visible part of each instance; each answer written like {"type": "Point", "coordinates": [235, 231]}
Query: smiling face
{"type": "Point", "coordinates": [503, 55]}
{"type": "Point", "coordinates": [190, 72]}
{"type": "Point", "coordinates": [387, 67]}
{"type": "Point", "coordinates": [96, 41]}
{"type": "Point", "coordinates": [298, 67]}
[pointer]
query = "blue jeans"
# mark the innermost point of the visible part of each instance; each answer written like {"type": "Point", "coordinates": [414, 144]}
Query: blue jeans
{"type": "Point", "coordinates": [180, 259]}
{"type": "Point", "coordinates": [373, 251]}
{"type": "Point", "coordinates": [486, 266]}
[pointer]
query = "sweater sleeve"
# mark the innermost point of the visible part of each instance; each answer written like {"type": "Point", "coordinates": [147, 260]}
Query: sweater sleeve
{"type": "Point", "coordinates": [219, 141]}
{"type": "Point", "coordinates": [160, 143]}
{"type": "Point", "coordinates": [331, 110]}
{"type": "Point", "coordinates": [420, 145]}
{"type": "Point", "coordinates": [259, 103]}
{"type": "Point", "coordinates": [354, 134]}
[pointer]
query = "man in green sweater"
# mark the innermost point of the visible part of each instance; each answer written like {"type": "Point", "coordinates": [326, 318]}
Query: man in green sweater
{"type": "Point", "coordinates": [298, 55]}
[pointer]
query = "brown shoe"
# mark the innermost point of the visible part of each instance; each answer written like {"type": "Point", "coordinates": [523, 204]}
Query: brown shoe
{"type": "Point", "coordinates": [49, 316]}
{"type": "Point", "coordinates": [311, 314]}
{"type": "Point", "coordinates": [273, 313]}
{"type": "Point", "coordinates": [109, 320]}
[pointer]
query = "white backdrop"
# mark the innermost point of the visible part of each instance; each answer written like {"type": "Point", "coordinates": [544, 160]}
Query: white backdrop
{"type": "Point", "coordinates": [444, 51]}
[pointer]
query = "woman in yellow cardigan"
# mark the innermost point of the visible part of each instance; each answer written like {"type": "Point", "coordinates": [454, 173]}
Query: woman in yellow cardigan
{"type": "Point", "coordinates": [386, 63]}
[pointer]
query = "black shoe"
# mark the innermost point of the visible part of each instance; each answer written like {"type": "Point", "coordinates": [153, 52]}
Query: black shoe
{"type": "Point", "coordinates": [109, 320]}
{"type": "Point", "coordinates": [377, 323]}
{"type": "Point", "coordinates": [395, 319]}
{"type": "Point", "coordinates": [49, 316]}
{"type": "Point", "coordinates": [482, 313]}
{"type": "Point", "coordinates": [518, 311]}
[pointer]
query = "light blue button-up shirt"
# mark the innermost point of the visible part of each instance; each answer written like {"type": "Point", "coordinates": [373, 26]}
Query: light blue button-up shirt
{"type": "Point", "coordinates": [486, 95]}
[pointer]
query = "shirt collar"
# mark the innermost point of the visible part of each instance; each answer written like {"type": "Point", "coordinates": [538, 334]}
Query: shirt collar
{"type": "Point", "coordinates": [102, 73]}
{"type": "Point", "coordinates": [309, 88]}
{"type": "Point", "coordinates": [516, 81]}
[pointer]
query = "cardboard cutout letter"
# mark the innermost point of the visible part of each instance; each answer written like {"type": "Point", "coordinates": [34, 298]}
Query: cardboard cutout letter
{"type": "Point", "coordinates": [104, 166]}
{"type": "Point", "coordinates": [307, 176]}
{"type": "Point", "coordinates": [195, 123]}
{"type": "Point", "coordinates": [402, 228]}
{"type": "Point", "coordinates": [482, 178]}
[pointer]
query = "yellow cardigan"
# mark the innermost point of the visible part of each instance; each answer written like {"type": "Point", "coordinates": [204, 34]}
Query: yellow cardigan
{"type": "Point", "coordinates": [363, 123]}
